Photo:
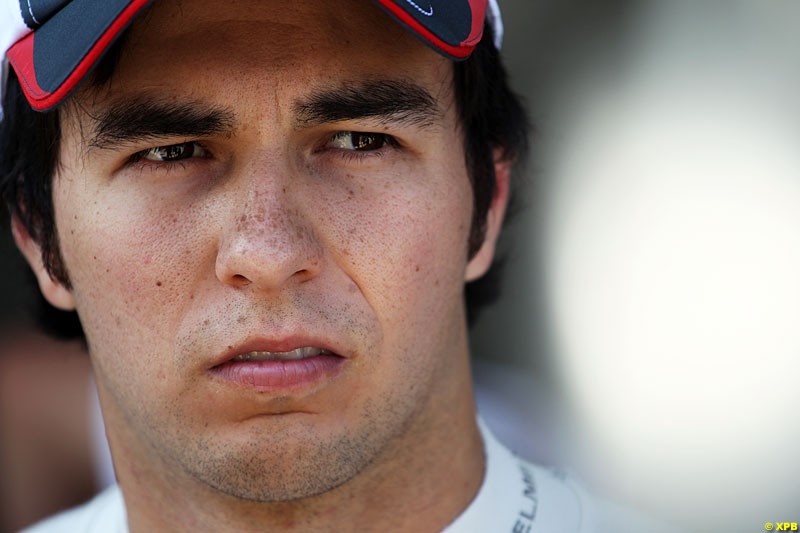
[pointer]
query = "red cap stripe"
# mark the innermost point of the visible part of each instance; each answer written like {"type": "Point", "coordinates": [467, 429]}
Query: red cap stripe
{"type": "Point", "coordinates": [20, 56]}
{"type": "Point", "coordinates": [478, 8]}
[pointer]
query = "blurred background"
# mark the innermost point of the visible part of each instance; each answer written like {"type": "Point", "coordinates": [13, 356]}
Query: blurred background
{"type": "Point", "coordinates": [648, 336]}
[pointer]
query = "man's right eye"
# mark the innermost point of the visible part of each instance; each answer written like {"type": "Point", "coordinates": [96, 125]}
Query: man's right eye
{"type": "Point", "coordinates": [171, 153]}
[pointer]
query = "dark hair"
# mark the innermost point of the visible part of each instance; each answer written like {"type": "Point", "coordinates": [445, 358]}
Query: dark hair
{"type": "Point", "coordinates": [491, 115]}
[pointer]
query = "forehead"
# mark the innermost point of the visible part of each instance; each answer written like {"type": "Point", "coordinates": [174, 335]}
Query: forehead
{"type": "Point", "coordinates": [254, 50]}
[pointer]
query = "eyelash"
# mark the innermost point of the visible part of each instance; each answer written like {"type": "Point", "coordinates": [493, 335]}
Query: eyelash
{"type": "Point", "coordinates": [386, 141]}
{"type": "Point", "coordinates": [140, 157]}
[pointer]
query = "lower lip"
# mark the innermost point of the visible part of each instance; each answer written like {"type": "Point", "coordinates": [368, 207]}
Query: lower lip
{"type": "Point", "coordinates": [276, 376]}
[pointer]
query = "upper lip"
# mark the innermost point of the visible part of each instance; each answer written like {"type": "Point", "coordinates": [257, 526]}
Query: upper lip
{"type": "Point", "coordinates": [284, 344]}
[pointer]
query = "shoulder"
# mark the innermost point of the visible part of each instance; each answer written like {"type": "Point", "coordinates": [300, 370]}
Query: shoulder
{"type": "Point", "coordinates": [596, 514]}
{"type": "Point", "coordinates": [520, 497]}
{"type": "Point", "coordinates": [105, 513]}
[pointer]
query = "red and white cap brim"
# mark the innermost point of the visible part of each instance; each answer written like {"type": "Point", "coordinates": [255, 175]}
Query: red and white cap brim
{"type": "Point", "coordinates": [53, 44]}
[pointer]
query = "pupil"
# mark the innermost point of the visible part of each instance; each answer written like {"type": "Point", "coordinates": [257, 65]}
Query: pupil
{"type": "Point", "coordinates": [366, 141]}
{"type": "Point", "coordinates": [173, 152]}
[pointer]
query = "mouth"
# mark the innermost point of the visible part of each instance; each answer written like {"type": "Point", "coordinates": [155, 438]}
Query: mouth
{"type": "Point", "coordinates": [293, 355]}
{"type": "Point", "coordinates": [278, 371]}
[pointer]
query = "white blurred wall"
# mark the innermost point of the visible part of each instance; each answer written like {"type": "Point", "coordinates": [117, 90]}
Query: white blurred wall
{"type": "Point", "coordinates": [670, 245]}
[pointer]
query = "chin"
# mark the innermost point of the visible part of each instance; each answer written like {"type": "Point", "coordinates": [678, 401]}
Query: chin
{"type": "Point", "coordinates": [282, 466]}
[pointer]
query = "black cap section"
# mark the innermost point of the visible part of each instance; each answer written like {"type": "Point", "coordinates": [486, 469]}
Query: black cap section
{"type": "Point", "coordinates": [37, 12]}
{"type": "Point", "coordinates": [54, 55]}
{"type": "Point", "coordinates": [450, 21]}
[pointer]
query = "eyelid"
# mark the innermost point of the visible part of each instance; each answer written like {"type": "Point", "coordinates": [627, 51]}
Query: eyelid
{"type": "Point", "coordinates": [140, 156]}
{"type": "Point", "coordinates": [342, 137]}
{"type": "Point", "coordinates": [389, 141]}
{"type": "Point", "coordinates": [356, 157]}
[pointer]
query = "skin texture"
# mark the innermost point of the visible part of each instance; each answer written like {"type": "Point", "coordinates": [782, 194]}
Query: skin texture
{"type": "Point", "coordinates": [274, 232]}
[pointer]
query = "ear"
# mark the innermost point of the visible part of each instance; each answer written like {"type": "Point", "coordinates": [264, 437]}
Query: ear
{"type": "Point", "coordinates": [54, 291]}
{"type": "Point", "coordinates": [482, 260]}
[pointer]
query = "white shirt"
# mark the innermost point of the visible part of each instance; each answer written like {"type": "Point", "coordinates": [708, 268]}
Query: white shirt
{"type": "Point", "coordinates": [515, 497]}
{"type": "Point", "coordinates": [105, 513]}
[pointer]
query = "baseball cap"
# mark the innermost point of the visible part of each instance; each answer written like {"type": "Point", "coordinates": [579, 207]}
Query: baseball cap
{"type": "Point", "coordinates": [53, 44]}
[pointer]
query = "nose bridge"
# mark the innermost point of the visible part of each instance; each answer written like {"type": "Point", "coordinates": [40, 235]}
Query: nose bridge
{"type": "Point", "coordinates": [269, 238]}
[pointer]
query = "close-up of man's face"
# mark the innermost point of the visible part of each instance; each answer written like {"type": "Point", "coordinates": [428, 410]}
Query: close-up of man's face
{"type": "Point", "coordinates": [266, 240]}
{"type": "Point", "coordinates": [253, 276]}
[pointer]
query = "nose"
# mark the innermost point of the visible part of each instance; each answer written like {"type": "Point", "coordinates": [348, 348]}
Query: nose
{"type": "Point", "coordinates": [269, 240]}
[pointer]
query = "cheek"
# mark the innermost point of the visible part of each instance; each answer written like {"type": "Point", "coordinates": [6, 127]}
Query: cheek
{"type": "Point", "coordinates": [408, 254]}
{"type": "Point", "coordinates": [130, 261]}
{"type": "Point", "coordinates": [407, 244]}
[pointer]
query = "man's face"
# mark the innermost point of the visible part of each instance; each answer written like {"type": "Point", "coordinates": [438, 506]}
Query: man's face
{"type": "Point", "coordinates": [213, 204]}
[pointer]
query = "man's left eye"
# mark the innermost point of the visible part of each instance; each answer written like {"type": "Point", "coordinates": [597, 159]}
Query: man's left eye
{"type": "Point", "coordinates": [359, 141]}
{"type": "Point", "coordinates": [172, 152]}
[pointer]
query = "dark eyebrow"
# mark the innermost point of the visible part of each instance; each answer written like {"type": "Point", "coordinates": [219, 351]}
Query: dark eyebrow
{"type": "Point", "coordinates": [145, 118]}
{"type": "Point", "coordinates": [385, 100]}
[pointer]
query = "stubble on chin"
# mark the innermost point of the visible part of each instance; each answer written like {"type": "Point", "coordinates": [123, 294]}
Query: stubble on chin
{"type": "Point", "coordinates": [295, 460]}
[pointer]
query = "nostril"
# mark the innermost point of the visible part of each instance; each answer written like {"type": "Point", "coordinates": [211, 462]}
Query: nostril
{"type": "Point", "coordinates": [240, 280]}
{"type": "Point", "coordinates": [267, 255]}
{"type": "Point", "coordinates": [304, 275]}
